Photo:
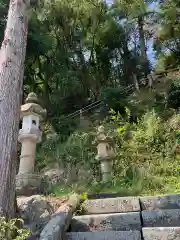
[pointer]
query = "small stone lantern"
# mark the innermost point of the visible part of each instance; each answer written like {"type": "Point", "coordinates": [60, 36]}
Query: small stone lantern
{"type": "Point", "coordinates": [105, 154]}
{"type": "Point", "coordinates": [31, 114]}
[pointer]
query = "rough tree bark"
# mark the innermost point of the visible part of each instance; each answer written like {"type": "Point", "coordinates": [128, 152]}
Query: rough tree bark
{"type": "Point", "coordinates": [12, 56]}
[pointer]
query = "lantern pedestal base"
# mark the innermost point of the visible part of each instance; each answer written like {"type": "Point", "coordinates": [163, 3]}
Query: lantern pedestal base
{"type": "Point", "coordinates": [28, 184]}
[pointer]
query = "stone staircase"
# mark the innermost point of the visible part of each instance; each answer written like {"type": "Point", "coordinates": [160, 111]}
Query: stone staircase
{"type": "Point", "coordinates": [128, 218]}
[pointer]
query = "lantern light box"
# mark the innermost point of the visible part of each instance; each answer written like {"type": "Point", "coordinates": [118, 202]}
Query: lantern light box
{"type": "Point", "coordinates": [30, 122]}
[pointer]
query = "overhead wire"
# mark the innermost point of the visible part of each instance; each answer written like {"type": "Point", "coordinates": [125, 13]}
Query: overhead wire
{"type": "Point", "coordinates": [84, 108]}
{"type": "Point", "coordinates": [93, 105]}
{"type": "Point", "coordinates": [97, 103]}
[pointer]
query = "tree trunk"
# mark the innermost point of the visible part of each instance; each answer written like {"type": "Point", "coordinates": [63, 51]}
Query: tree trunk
{"type": "Point", "coordinates": [135, 82]}
{"type": "Point", "coordinates": [143, 44]}
{"type": "Point", "coordinates": [12, 56]}
{"type": "Point", "coordinates": [129, 66]}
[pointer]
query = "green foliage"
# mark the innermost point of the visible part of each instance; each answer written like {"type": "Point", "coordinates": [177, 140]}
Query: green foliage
{"type": "Point", "coordinates": [115, 98]}
{"type": "Point", "coordinates": [60, 190]}
{"type": "Point", "coordinates": [10, 231]}
{"type": "Point", "coordinates": [77, 148]}
{"type": "Point", "coordinates": [77, 48]}
{"type": "Point", "coordinates": [145, 163]}
{"type": "Point", "coordinates": [89, 49]}
{"type": "Point", "coordinates": [174, 94]}
{"type": "Point", "coordinates": [167, 35]}
{"type": "Point", "coordinates": [147, 160]}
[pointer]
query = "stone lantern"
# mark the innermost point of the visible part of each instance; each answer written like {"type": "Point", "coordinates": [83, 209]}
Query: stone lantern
{"type": "Point", "coordinates": [30, 134]}
{"type": "Point", "coordinates": [105, 154]}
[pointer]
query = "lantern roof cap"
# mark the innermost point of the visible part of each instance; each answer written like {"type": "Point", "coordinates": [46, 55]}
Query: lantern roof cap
{"type": "Point", "coordinates": [32, 98]}
{"type": "Point", "coordinates": [32, 107]}
{"type": "Point", "coordinates": [102, 136]}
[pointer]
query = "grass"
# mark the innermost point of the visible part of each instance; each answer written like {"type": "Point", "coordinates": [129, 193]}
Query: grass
{"type": "Point", "coordinates": [161, 185]}
{"type": "Point", "coordinates": [60, 191]}
{"type": "Point", "coordinates": [163, 178]}
{"type": "Point", "coordinates": [156, 185]}
{"type": "Point", "coordinates": [151, 151]}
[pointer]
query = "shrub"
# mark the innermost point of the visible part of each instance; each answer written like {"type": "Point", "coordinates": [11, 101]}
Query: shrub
{"type": "Point", "coordinates": [144, 162]}
{"type": "Point", "coordinates": [77, 159]}
{"type": "Point", "coordinates": [77, 149]}
{"type": "Point", "coordinates": [115, 98]}
{"type": "Point", "coordinates": [149, 157]}
{"type": "Point", "coordinates": [9, 230]}
{"type": "Point", "coordinates": [174, 94]}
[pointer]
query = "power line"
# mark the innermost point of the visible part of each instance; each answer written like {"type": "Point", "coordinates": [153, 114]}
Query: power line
{"type": "Point", "coordinates": [97, 103]}
{"type": "Point", "coordinates": [80, 111]}
{"type": "Point", "coordinates": [130, 87]}
{"type": "Point", "coordinates": [90, 108]}
{"type": "Point", "coordinates": [84, 108]}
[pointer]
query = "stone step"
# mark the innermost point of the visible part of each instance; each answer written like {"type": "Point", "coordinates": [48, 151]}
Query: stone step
{"type": "Point", "coordinates": [111, 205]}
{"type": "Point", "coordinates": [103, 195]}
{"type": "Point", "coordinates": [161, 233]}
{"type": "Point", "coordinates": [106, 222]}
{"type": "Point", "coordinates": [161, 218]}
{"type": "Point", "coordinates": [160, 202]}
{"type": "Point", "coordinates": [110, 235]}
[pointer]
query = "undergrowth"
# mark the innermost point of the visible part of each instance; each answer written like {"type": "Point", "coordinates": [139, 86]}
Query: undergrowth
{"type": "Point", "coordinates": [10, 231]}
{"type": "Point", "coordinates": [145, 163]}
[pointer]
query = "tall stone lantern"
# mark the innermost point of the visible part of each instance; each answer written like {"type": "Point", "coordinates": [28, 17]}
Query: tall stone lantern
{"type": "Point", "coordinates": [105, 154]}
{"type": "Point", "coordinates": [30, 134]}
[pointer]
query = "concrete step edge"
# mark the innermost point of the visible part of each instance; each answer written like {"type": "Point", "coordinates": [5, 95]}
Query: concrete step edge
{"type": "Point", "coordinates": [111, 205]}
{"type": "Point", "coordinates": [161, 218]}
{"type": "Point", "coordinates": [104, 214]}
{"type": "Point", "coordinates": [106, 222]}
{"type": "Point", "coordinates": [161, 233]}
{"type": "Point", "coordinates": [106, 235]}
{"type": "Point", "coordinates": [131, 204]}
